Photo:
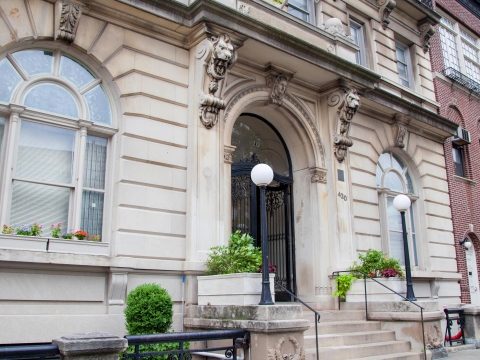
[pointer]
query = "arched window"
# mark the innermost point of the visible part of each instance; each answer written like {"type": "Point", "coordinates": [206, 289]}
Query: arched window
{"type": "Point", "coordinates": [393, 178]}
{"type": "Point", "coordinates": [54, 145]}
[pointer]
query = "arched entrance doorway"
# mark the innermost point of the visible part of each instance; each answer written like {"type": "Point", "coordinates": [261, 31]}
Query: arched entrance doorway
{"type": "Point", "coordinates": [257, 141]}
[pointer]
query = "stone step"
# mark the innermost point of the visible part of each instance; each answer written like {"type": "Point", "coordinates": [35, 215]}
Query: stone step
{"type": "Point", "coordinates": [335, 315]}
{"type": "Point", "coordinates": [410, 355]}
{"type": "Point", "coordinates": [342, 327]}
{"type": "Point", "coordinates": [349, 338]}
{"type": "Point", "coordinates": [363, 350]}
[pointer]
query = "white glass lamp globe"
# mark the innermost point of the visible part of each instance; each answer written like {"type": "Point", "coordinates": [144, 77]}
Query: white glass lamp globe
{"type": "Point", "coordinates": [401, 202]}
{"type": "Point", "coordinates": [467, 244]}
{"type": "Point", "coordinates": [262, 175]}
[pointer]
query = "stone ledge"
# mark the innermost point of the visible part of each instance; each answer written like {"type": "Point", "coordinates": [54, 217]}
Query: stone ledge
{"type": "Point", "coordinates": [246, 312]}
{"type": "Point", "coordinates": [275, 326]}
{"type": "Point", "coordinates": [407, 316]}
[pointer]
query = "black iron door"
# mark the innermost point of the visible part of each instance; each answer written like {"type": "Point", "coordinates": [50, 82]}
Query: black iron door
{"type": "Point", "coordinates": [245, 217]}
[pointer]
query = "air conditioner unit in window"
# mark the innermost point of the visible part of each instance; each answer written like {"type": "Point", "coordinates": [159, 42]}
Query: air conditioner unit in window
{"type": "Point", "coordinates": [462, 137]}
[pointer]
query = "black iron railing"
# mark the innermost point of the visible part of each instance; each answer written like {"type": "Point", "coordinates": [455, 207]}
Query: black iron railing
{"type": "Point", "coordinates": [141, 348]}
{"type": "Point", "coordinates": [365, 276]}
{"type": "Point", "coordinates": [428, 3]}
{"type": "Point", "coordinates": [29, 351]}
{"type": "Point", "coordinates": [462, 79]}
{"type": "Point", "coordinates": [317, 315]}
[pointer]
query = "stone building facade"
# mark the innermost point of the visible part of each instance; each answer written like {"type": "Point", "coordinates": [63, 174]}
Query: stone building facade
{"type": "Point", "coordinates": [460, 102]}
{"type": "Point", "coordinates": [129, 119]}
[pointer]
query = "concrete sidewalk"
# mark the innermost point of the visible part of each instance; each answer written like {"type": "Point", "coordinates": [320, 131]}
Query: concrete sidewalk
{"type": "Point", "coordinates": [465, 355]}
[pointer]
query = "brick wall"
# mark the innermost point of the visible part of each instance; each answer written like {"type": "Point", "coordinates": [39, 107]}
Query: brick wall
{"type": "Point", "coordinates": [459, 106]}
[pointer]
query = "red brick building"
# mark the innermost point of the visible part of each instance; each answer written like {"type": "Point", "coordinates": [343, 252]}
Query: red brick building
{"type": "Point", "coordinates": [455, 53]}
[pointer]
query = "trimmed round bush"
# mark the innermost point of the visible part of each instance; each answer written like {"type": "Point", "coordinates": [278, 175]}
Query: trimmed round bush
{"type": "Point", "coordinates": [149, 310]}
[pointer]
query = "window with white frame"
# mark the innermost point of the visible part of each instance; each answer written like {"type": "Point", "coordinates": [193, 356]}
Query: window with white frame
{"type": "Point", "coordinates": [460, 49]}
{"type": "Point", "coordinates": [57, 146]}
{"type": "Point", "coordinates": [404, 65]}
{"type": "Point", "coordinates": [458, 162]}
{"type": "Point", "coordinates": [302, 9]}
{"type": "Point", "coordinates": [357, 33]}
{"type": "Point", "coordinates": [393, 178]}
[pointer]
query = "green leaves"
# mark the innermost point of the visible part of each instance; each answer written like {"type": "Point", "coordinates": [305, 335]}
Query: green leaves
{"type": "Point", "coordinates": [149, 310]}
{"type": "Point", "coordinates": [373, 263]}
{"type": "Point", "coordinates": [343, 284]}
{"type": "Point", "coordinates": [240, 256]}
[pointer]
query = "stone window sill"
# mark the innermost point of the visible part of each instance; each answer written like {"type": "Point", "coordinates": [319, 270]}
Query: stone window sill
{"type": "Point", "coordinates": [468, 181]}
{"type": "Point", "coordinates": [52, 245]}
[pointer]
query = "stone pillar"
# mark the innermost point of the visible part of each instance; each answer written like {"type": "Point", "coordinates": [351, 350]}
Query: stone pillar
{"type": "Point", "coordinates": [274, 330]}
{"type": "Point", "coordinates": [89, 346]}
{"type": "Point", "coordinates": [472, 324]}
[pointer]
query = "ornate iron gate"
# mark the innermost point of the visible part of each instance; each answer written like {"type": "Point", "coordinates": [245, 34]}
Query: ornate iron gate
{"type": "Point", "coordinates": [280, 232]}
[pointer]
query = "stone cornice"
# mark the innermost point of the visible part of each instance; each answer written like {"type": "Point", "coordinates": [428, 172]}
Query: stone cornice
{"type": "Point", "coordinates": [213, 12]}
{"type": "Point", "coordinates": [412, 110]}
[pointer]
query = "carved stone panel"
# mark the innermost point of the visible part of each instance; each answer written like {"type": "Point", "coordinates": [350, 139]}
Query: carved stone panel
{"type": "Point", "coordinates": [221, 57]}
{"type": "Point", "coordinates": [319, 175]}
{"type": "Point", "coordinates": [277, 354]}
{"type": "Point", "coordinates": [67, 16]}
{"type": "Point", "coordinates": [347, 102]}
{"type": "Point", "coordinates": [277, 85]}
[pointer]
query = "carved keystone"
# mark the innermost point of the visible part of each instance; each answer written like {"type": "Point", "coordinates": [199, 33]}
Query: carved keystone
{"type": "Point", "coordinates": [67, 16]}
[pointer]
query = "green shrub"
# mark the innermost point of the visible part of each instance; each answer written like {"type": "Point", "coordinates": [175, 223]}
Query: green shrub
{"type": "Point", "coordinates": [149, 310]}
{"type": "Point", "coordinates": [375, 264]}
{"type": "Point", "coordinates": [239, 256]}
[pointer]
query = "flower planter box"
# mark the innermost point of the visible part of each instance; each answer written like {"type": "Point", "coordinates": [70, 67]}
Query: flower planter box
{"type": "Point", "coordinates": [232, 289]}
{"type": "Point", "coordinates": [21, 242]}
{"type": "Point", "coordinates": [376, 292]}
{"type": "Point", "coordinates": [78, 247]}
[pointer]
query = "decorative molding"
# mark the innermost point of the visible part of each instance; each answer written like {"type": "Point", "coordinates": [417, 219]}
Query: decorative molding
{"type": "Point", "coordinates": [244, 9]}
{"type": "Point", "coordinates": [228, 151]}
{"type": "Point", "coordinates": [426, 32]}
{"type": "Point", "coordinates": [235, 99]}
{"type": "Point", "coordinates": [434, 288]}
{"type": "Point", "coordinates": [277, 354]}
{"type": "Point", "coordinates": [347, 102]}
{"type": "Point", "coordinates": [319, 175]}
{"type": "Point", "coordinates": [334, 26]}
{"type": "Point", "coordinates": [67, 17]}
{"type": "Point", "coordinates": [117, 286]}
{"type": "Point", "coordinates": [323, 290]}
{"type": "Point", "coordinates": [386, 7]}
{"type": "Point", "coordinates": [434, 337]}
{"type": "Point", "coordinates": [221, 57]}
{"type": "Point", "coordinates": [331, 49]}
{"type": "Point", "coordinates": [401, 132]}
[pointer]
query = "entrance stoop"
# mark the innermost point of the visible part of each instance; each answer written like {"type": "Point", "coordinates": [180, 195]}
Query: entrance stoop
{"type": "Point", "coordinates": [345, 334]}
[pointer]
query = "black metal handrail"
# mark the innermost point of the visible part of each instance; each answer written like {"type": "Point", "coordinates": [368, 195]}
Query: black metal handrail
{"type": "Point", "coordinates": [240, 337]}
{"type": "Point", "coordinates": [365, 276]}
{"type": "Point", "coordinates": [427, 3]}
{"type": "Point", "coordinates": [317, 315]}
{"type": "Point", "coordinates": [33, 351]}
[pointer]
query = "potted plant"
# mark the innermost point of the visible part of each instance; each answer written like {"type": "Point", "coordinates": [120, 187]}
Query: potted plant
{"type": "Point", "coordinates": [233, 276]}
{"type": "Point", "coordinates": [374, 264]}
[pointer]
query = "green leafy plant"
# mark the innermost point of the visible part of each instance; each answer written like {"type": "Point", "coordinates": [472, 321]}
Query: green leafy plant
{"type": "Point", "coordinates": [375, 263]}
{"type": "Point", "coordinates": [344, 282]}
{"type": "Point", "coordinates": [239, 256]}
{"type": "Point", "coordinates": [149, 310]}
{"type": "Point", "coordinates": [7, 229]}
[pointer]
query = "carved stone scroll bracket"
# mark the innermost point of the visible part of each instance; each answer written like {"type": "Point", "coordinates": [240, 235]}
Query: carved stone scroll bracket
{"type": "Point", "coordinates": [228, 151]}
{"type": "Point", "coordinates": [434, 288]}
{"type": "Point", "coordinates": [401, 124]}
{"type": "Point", "coordinates": [319, 175]}
{"type": "Point", "coordinates": [277, 354]}
{"type": "Point", "coordinates": [67, 17]}
{"type": "Point", "coordinates": [386, 7]}
{"type": "Point", "coordinates": [426, 32]}
{"type": "Point", "coordinates": [277, 79]}
{"type": "Point", "coordinates": [347, 102]}
{"type": "Point", "coordinates": [117, 286]}
{"type": "Point", "coordinates": [221, 57]}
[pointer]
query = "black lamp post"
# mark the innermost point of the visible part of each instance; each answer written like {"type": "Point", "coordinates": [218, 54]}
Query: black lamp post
{"type": "Point", "coordinates": [262, 175]}
{"type": "Point", "coordinates": [402, 203]}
